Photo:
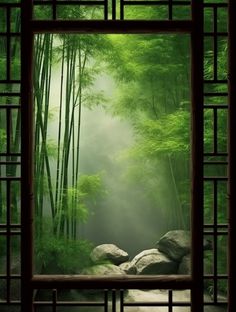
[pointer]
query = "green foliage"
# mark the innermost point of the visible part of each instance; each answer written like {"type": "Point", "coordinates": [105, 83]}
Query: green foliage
{"type": "Point", "coordinates": [168, 135]}
{"type": "Point", "coordinates": [51, 148]}
{"type": "Point", "coordinates": [74, 56]}
{"type": "Point", "coordinates": [2, 140]}
{"type": "Point", "coordinates": [61, 255]}
{"type": "Point", "coordinates": [152, 75]}
{"type": "Point", "coordinates": [222, 62]}
{"type": "Point", "coordinates": [2, 20]}
{"type": "Point", "coordinates": [79, 12]}
{"type": "Point", "coordinates": [84, 196]}
{"type": "Point", "coordinates": [90, 187]}
{"type": "Point", "coordinates": [148, 71]}
{"type": "Point", "coordinates": [93, 99]}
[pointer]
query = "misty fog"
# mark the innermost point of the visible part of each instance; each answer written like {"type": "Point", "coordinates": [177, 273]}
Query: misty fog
{"type": "Point", "coordinates": [126, 215]}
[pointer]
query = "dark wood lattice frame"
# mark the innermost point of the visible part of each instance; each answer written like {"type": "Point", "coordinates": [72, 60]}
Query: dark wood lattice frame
{"type": "Point", "coordinates": [194, 27]}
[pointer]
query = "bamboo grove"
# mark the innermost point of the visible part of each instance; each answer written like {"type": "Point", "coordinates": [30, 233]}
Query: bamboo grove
{"type": "Point", "coordinates": [65, 192]}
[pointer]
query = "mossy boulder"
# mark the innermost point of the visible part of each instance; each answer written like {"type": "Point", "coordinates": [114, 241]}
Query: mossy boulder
{"type": "Point", "coordinates": [110, 253]}
{"type": "Point", "coordinates": [152, 261]}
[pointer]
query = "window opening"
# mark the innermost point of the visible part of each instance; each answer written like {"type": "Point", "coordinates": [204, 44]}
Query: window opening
{"type": "Point", "coordinates": [112, 130]}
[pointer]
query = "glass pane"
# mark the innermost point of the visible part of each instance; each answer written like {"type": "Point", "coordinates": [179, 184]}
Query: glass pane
{"type": "Point", "coordinates": [9, 307]}
{"type": "Point", "coordinates": [215, 1]}
{"type": "Point", "coordinates": [3, 57]}
{"type": "Point", "coordinates": [222, 130]}
{"type": "Point", "coordinates": [214, 88]}
{"type": "Point", "coordinates": [3, 292]}
{"type": "Point", "coordinates": [42, 12]}
{"type": "Point", "coordinates": [216, 99]}
{"type": "Point", "coordinates": [222, 242]}
{"type": "Point", "coordinates": [15, 255]}
{"type": "Point", "coordinates": [9, 100]}
{"type": "Point", "coordinates": [208, 58]}
{"type": "Point", "coordinates": [140, 12]}
{"type": "Point", "coordinates": [208, 19]}
{"type": "Point", "coordinates": [16, 130]}
{"type": "Point", "coordinates": [181, 12]}
{"type": "Point", "coordinates": [208, 201]}
{"type": "Point", "coordinates": [222, 64]}
{"type": "Point", "coordinates": [208, 262]}
{"type": "Point", "coordinates": [222, 201]}
{"type": "Point", "coordinates": [15, 202]}
{"type": "Point", "coordinates": [2, 198]}
{"type": "Point", "coordinates": [15, 20]}
{"type": "Point", "coordinates": [10, 170]}
{"type": "Point", "coordinates": [208, 131]}
{"type": "Point", "coordinates": [8, 88]}
{"type": "Point", "coordinates": [112, 133]}
{"type": "Point", "coordinates": [181, 296]}
{"type": "Point", "coordinates": [215, 170]}
{"type": "Point", "coordinates": [15, 58]}
{"type": "Point", "coordinates": [15, 292]}
{"type": "Point", "coordinates": [68, 12]}
{"type": "Point", "coordinates": [222, 290]}
{"type": "Point", "coordinates": [2, 20]}
{"type": "Point", "coordinates": [3, 257]}
{"type": "Point", "coordinates": [3, 131]}
{"type": "Point", "coordinates": [222, 19]}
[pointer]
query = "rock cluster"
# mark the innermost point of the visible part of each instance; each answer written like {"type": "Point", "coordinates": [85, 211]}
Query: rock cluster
{"type": "Point", "coordinates": [171, 256]}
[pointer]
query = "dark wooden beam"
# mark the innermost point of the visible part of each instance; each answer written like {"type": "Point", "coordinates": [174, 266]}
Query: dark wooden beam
{"type": "Point", "coordinates": [111, 26]}
{"type": "Point", "coordinates": [197, 80]}
{"type": "Point", "coordinates": [27, 155]}
{"type": "Point", "coordinates": [112, 282]}
{"type": "Point", "coordinates": [232, 155]}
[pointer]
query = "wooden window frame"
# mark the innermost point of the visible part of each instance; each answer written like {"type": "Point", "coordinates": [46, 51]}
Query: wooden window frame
{"type": "Point", "coordinates": [194, 28]}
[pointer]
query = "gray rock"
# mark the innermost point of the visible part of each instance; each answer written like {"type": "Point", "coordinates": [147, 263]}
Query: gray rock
{"type": "Point", "coordinates": [185, 265]}
{"type": "Point", "coordinates": [175, 244]}
{"type": "Point", "coordinates": [103, 269]}
{"type": "Point", "coordinates": [128, 268]}
{"type": "Point", "coordinates": [152, 261]}
{"type": "Point", "coordinates": [109, 252]}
